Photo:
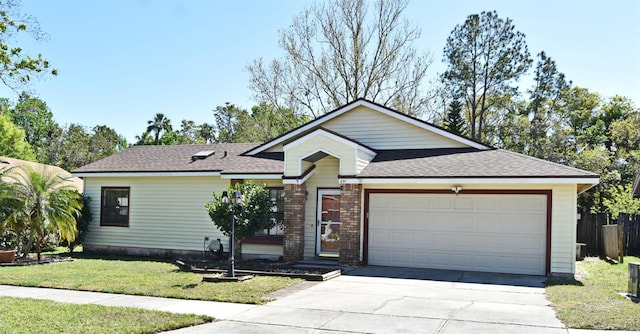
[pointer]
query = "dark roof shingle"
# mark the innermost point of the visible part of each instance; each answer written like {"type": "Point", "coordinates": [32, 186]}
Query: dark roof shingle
{"type": "Point", "coordinates": [414, 163]}
{"type": "Point", "coordinates": [464, 162]}
{"type": "Point", "coordinates": [177, 158]}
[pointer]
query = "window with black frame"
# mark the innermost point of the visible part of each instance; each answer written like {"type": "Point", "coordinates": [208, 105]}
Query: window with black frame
{"type": "Point", "coordinates": [114, 206]}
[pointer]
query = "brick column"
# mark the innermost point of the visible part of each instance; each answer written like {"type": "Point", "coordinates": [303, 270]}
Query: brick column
{"type": "Point", "coordinates": [350, 213]}
{"type": "Point", "coordinates": [294, 202]}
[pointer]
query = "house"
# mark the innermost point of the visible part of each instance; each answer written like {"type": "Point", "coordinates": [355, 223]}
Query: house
{"type": "Point", "coordinates": [6, 162]}
{"type": "Point", "coordinates": [364, 184]}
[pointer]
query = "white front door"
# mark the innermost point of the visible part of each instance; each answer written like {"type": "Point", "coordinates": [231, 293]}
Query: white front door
{"type": "Point", "coordinates": [328, 227]}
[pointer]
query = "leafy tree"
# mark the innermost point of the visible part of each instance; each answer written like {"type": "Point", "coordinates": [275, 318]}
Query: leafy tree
{"type": "Point", "coordinates": [104, 142]}
{"type": "Point", "coordinates": [545, 100]}
{"type": "Point", "coordinates": [207, 132]}
{"type": "Point", "coordinates": [75, 147]}
{"type": "Point", "coordinates": [228, 119]}
{"type": "Point", "coordinates": [512, 131]}
{"type": "Point", "coordinates": [578, 115]}
{"type": "Point", "coordinates": [18, 68]}
{"type": "Point", "coordinates": [44, 202]}
{"type": "Point", "coordinates": [12, 142]}
{"type": "Point", "coordinates": [158, 124]}
{"type": "Point", "coordinates": [252, 216]}
{"type": "Point", "coordinates": [188, 133]}
{"type": "Point", "coordinates": [264, 122]}
{"type": "Point", "coordinates": [454, 121]}
{"type": "Point", "coordinates": [622, 201]}
{"type": "Point", "coordinates": [36, 119]}
{"type": "Point", "coordinates": [341, 50]}
{"type": "Point", "coordinates": [484, 55]}
{"type": "Point", "coordinates": [616, 109]}
{"type": "Point", "coordinates": [192, 133]}
{"type": "Point", "coordinates": [144, 139]}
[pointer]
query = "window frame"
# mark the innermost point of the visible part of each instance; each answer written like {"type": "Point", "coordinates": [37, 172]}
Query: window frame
{"type": "Point", "coordinates": [102, 206]}
{"type": "Point", "coordinates": [267, 239]}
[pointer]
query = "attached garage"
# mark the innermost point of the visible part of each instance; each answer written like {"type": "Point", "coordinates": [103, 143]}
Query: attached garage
{"type": "Point", "coordinates": [504, 232]}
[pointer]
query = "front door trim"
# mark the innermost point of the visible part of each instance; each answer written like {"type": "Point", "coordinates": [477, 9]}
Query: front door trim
{"type": "Point", "coordinates": [320, 193]}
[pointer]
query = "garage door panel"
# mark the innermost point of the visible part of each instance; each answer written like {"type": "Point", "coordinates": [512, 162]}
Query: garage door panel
{"type": "Point", "coordinates": [496, 233]}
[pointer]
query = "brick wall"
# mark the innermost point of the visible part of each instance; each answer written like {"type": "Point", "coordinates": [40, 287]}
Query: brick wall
{"type": "Point", "coordinates": [294, 202]}
{"type": "Point", "coordinates": [350, 214]}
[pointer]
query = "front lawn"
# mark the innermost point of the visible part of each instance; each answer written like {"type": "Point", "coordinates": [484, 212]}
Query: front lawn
{"type": "Point", "coordinates": [21, 315]}
{"type": "Point", "coordinates": [140, 277]}
{"type": "Point", "coordinates": [594, 301]}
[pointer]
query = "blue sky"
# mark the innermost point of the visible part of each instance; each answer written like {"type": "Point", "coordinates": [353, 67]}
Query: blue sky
{"type": "Point", "coordinates": [122, 61]}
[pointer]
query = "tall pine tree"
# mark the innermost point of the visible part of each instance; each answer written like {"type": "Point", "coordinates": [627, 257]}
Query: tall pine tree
{"type": "Point", "coordinates": [454, 121]}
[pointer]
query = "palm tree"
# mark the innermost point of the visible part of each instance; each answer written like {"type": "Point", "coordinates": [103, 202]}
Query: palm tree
{"type": "Point", "coordinates": [42, 201]}
{"type": "Point", "coordinates": [157, 124]}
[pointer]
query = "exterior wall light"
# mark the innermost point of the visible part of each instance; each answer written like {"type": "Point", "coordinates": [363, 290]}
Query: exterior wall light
{"type": "Point", "coordinates": [456, 189]}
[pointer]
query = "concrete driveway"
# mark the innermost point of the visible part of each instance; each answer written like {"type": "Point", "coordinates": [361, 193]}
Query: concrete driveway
{"type": "Point", "coordinates": [403, 300]}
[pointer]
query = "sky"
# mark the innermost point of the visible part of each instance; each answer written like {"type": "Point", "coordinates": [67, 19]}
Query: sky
{"type": "Point", "coordinates": [122, 61]}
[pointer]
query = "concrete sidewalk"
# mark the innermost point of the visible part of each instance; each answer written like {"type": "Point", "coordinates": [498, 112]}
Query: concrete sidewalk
{"type": "Point", "coordinates": [218, 310]}
{"type": "Point", "coordinates": [367, 300]}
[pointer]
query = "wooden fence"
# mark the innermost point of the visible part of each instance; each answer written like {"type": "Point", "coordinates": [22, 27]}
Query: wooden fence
{"type": "Point", "coordinates": [589, 232]}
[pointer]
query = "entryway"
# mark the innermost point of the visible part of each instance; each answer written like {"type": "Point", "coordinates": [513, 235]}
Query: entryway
{"type": "Point", "coordinates": [328, 223]}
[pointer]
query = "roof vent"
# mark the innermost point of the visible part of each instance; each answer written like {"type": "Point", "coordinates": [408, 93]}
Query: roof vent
{"type": "Point", "coordinates": [202, 155]}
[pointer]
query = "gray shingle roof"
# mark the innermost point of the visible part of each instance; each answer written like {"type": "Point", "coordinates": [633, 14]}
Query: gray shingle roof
{"type": "Point", "coordinates": [425, 163]}
{"type": "Point", "coordinates": [227, 159]}
{"type": "Point", "coordinates": [465, 162]}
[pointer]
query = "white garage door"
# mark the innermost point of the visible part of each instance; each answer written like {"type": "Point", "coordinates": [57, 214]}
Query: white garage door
{"type": "Point", "coordinates": [493, 233]}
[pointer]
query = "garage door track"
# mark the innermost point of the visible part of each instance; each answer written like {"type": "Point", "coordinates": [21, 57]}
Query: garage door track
{"type": "Point", "coordinates": [402, 300]}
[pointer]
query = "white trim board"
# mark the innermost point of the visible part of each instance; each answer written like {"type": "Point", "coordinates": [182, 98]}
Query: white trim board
{"type": "Point", "coordinates": [145, 174]}
{"type": "Point", "coordinates": [540, 180]}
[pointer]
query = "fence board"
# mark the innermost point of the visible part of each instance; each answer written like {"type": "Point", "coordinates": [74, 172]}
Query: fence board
{"type": "Point", "coordinates": [611, 241]}
{"type": "Point", "coordinates": [589, 232]}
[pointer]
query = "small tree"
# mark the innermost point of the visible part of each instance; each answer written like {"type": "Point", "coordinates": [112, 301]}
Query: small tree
{"type": "Point", "coordinates": [621, 201]}
{"type": "Point", "coordinates": [454, 121]}
{"type": "Point", "coordinates": [252, 216]}
{"type": "Point", "coordinates": [42, 202]}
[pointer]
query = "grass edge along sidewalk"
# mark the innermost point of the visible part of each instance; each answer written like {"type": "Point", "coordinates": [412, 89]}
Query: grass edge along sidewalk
{"type": "Point", "coordinates": [25, 315]}
{"type": "Point", "coordinates": [144, 277]}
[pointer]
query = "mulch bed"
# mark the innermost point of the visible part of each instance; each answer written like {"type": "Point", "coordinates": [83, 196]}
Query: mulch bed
{"type": "Point", "coordinates": [260, 267]}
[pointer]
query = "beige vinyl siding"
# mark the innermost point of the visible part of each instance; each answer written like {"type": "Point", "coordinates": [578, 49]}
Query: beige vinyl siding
{"type": "Point", "coordinates": [257, 249]}
{"type": "Point", "coordinates": [380, 131]}
{"type": "Point", "coordinates": [563, 216]}
{"type": "Point", "coordinates": [295, 154]}
{"type": "Point", "coordinates": [267, 182]}
{"type": "Point", "coordinates": [165, 212]}
{"type": "Point", "coordinates": [563, 229]}
{"type": "Point", "coordinates": [275, 148]}
{"type": "Point", "coordinates": [325, 176]}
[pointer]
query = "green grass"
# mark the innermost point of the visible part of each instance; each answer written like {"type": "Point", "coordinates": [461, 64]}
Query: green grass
{"type": "Point", "coordinates": [20, 315]}
{"type": "Point", "coordinates": [595, 302]}
{"type": "Point", "coordinates": [140, 277]}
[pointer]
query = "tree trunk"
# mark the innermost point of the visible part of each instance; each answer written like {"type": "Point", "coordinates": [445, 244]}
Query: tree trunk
{"type": "Point", "coordinates": [38, 247]}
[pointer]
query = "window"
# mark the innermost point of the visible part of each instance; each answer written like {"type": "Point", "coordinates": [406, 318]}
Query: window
{"type": "Point", "coordinates": [277, 200]}
{"type": "Point", "coordinates": [114, 206]}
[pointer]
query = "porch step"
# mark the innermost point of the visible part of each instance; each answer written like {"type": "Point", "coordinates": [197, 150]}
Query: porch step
{"type": "Point", "coordinates": [317, 263]}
